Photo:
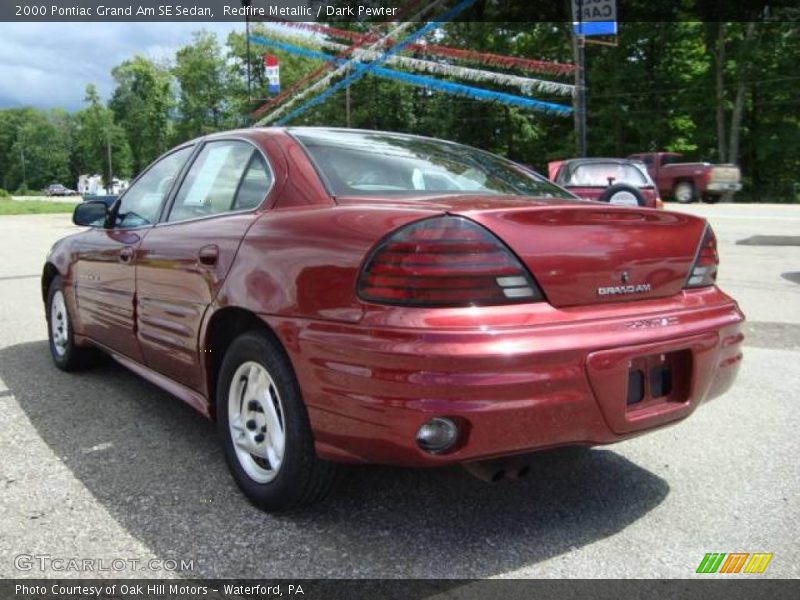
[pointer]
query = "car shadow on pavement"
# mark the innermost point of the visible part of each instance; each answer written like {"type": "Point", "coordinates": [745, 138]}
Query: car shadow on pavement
{"type": "Point", "coordinates": [157, 468]}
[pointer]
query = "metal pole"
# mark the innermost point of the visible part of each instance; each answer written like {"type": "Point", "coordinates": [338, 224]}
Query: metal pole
{"type": "Point", "coordinates": [347, 99]}
{"type": "Point", "coordinates": [109, 185]}
{"type": "Point", "coordinates": [579, 46]}
{"type": "Point", "coordinates": [24, 178]}
{"type": "Point", "coordinates": [246, 4]}
{"type": "Point", "coordinates": [581, 96]}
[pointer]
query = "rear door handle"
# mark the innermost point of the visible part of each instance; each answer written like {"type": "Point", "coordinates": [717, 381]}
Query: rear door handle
{"type": "Point", "coordinates": [208, 255]}
{"type": "Point", "coordinates": [126, 254]}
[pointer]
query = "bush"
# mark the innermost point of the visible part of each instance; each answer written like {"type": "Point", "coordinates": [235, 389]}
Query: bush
{"type": "Point", "coordinates": [3, 193]}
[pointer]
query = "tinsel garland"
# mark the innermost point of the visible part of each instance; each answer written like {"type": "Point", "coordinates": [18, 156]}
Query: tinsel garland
{"type": "Point", "coordinates": [423, 81]}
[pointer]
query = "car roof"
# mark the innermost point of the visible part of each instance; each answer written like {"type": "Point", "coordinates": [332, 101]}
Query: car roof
{"type": "Point", "coordinates": [589, 161]}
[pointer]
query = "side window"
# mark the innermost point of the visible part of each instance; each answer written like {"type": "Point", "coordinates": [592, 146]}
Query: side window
{"type": "Point", "coordinates": [213, 183]}
{"type": "Point", "coordinates": [254, 185]}
{"type": "Point", "coordinates": [141, 203]}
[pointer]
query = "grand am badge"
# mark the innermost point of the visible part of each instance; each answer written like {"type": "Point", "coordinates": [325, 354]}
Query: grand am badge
{"type": "Point", "coordinates": [621, 290]}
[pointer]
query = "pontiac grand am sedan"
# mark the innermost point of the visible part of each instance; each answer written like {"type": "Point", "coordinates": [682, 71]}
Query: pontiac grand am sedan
{"type": "Point", "coordinates": [339, 296]}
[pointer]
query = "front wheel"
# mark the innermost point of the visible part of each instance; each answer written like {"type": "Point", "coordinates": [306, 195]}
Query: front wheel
{"type": "Point", "coordinates": [684, 192]}
{"type": "Point", "coordinates": [264, 427]}
{"type": "Point", "coordinates": [66, 355]}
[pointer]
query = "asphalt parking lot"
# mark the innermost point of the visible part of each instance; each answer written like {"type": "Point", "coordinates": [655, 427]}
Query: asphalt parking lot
{"type": "Point", "coordinates": [104, 465]}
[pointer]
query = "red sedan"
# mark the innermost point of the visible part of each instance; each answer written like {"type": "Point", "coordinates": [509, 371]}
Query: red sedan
{"type": "Point", "coordinates": [339, 296]}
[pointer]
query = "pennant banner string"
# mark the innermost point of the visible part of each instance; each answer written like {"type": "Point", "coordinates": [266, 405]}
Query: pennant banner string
{"type": "Point", "coordinates": [487, 58]}
{"type": "Point", "coordinates": [298, 85]}
{"type": "Point", "coordinates": [325, 81]}
{"type": "Point", "coordinates": [427, 82]}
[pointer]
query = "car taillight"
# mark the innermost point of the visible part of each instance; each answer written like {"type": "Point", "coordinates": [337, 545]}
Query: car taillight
{"type": "Point", "coordinates": [704, 269]}
{"type": "Point", "coordinates": [445, 261]}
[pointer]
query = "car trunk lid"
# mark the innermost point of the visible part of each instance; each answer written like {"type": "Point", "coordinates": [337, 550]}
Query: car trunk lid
{"type": "Point", "coordinates": [590, 254]}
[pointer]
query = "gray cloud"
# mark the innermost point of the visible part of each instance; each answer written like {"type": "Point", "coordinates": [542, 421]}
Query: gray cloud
{"type": "Point", "coordinates": [49, 64]}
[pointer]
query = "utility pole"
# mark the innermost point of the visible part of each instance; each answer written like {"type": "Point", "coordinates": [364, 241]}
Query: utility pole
{"type": "Point", "coordinates": [580, 82]}
{"type": "Point", "coordinates": [22, 157]}
{"type": "Point", "coordinates": [109, 185]}
{"type": "Point", "coordinates": [246, 4]}
{"type": "Point", "coordinates": [347, 98]}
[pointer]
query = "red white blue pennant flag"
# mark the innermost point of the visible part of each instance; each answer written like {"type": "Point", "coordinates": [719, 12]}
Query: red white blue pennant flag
{"type": "Point", "coordinates": [272, 70]}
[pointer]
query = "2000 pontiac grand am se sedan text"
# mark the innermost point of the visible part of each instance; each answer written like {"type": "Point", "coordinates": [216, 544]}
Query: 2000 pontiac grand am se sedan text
{"type": "Point", "coordinates": [338, 296]}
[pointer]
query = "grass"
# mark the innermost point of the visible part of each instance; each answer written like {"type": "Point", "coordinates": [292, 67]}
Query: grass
{"type": "Point", "coordinates": [9, 206]}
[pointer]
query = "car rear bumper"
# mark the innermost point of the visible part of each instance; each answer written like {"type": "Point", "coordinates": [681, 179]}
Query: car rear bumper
{"type": "Point", "coordinates": [723, 187]}
{"type": "Point", "coordinates": [561, 378]}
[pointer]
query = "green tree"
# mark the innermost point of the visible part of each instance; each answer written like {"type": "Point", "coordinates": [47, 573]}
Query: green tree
{"type": "Point", "coordinates": [96, 134]}
{"type": "Point", "coordinates": [201, 74]}
{"type": "Point", "coordinates": [141, 104]}
{"type": "Point", "coordinates": [42, 146]}
{"type": "Point", "coordinates": [11, 159]}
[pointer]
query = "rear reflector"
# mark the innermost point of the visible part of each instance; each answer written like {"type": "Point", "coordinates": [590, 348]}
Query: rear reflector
{"type": "Point", "coordinates": [445, 261]}
{"type": "Point", "coordinates": [704, 270]}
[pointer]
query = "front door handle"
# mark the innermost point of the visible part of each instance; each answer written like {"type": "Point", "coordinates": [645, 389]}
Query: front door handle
{"type": "Point", "coordinates": [208, 255]}
{"type": "Point", "coordinates": [126, 254]}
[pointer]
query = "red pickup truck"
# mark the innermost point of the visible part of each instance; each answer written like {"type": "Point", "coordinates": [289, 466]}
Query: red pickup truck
{"type": "Point", "coordinates": [690, 181]}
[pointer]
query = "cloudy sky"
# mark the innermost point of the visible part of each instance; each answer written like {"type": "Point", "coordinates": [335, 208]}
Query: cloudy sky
{"type": "Point", "coordinates": [49, 64]}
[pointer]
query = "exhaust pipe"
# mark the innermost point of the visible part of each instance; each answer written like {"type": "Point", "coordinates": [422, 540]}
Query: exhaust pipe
{"type": "Point", "coordinates": [495, 471]}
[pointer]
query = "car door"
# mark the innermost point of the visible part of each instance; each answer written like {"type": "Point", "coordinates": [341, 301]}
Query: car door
{"type": "Point", "coordinates": [183, 261]}
{"type": "Point", "coordinates": [105, 262]}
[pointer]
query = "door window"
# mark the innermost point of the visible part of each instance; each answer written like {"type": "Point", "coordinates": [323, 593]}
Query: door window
{"type": "Point", "coordinates": [142, 202]}
{"type": "Point", "coordinates": [225, 176]}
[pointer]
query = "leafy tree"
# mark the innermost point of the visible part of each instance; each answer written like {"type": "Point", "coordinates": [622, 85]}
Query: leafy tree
{"type": "Point", "coordinates": [11, 159]}
{"type": "Point", "coordinates": [43, 147]}
{"type": "Point", "coordinates": [96, 131]}
{"type": "Point", "coordinates": [141, 104]}
{"type": "Point", "coordinates": [201, 74]}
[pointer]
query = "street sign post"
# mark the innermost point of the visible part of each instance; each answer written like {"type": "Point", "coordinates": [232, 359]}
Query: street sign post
{"type": "Point", "coordinates": [589, 17]}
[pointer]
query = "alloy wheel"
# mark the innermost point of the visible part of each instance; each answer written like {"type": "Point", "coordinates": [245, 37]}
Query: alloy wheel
{"type": "Point", "coordinates": [256, 422]}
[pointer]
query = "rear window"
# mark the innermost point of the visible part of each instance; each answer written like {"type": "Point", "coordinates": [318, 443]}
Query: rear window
{"type": "Point", "coordinates": [362, 163]}
{"type": "Point", "coordinates": [671, 159]}
{"type": "Point", "coordinates": [602, 174]}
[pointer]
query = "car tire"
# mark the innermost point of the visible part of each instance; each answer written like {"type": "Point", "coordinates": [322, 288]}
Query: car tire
{"type": "Point", "coordinates": [60, 334]}
{"type": "Point", "coordinates": [711, 198]}
{"type": "Point", "coordinates": [684, 192]}
{"type": "Point", "coordinates": [627, 194]}
{"type": "Point", "coordinates": [264, 427]}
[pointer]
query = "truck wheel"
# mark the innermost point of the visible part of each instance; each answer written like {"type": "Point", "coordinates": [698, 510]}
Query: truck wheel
{"type": "Point", "coordinates": [264, 427]}
{"type": "Point", "coordinates": [684, 192]}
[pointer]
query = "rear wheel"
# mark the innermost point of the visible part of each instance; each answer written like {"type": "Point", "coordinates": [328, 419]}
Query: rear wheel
{"type": "Point", "coordinates": [684, 192]}
{"type": "Point", "coordinates": [264, 426]}
{"type": "Point", "coordinates": [66, 355]}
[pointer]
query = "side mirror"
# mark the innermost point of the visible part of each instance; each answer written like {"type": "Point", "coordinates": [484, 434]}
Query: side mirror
{"type": "Point", "coordinates": [90, 214]}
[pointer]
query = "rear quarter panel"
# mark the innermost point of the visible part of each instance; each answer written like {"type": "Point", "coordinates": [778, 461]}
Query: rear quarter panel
{"type": "Point", "coordinates": [305, 262]}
